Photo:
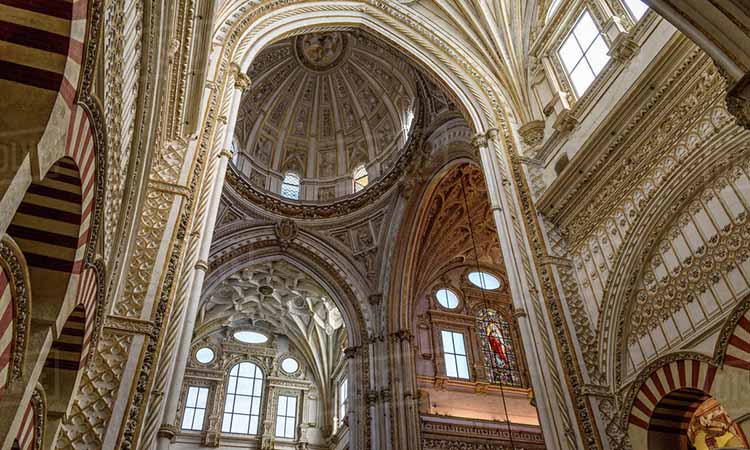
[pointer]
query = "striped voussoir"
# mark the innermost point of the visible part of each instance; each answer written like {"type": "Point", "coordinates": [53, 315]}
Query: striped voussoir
{"type": "Point", "coordinates": [80, 148]}
{"type": "Point", "coordinates": [65, 353]}
{"type": "Point", "coordinates": [87, 295]}
{"type": "Point", "coordinates": [738, 349]}
{"type": "Point", "coordinates": [6, 329]}
{"type": "Point", "coordinates": [675, 411]}
{"type": "Point", "coordinates": [41, 54]}
{"type": "Point", "coordinates": [686, 374]}
{"type": "Point", "coordinates": [47, 224]}
{"type": "Point", "coordinates": [26, 436]}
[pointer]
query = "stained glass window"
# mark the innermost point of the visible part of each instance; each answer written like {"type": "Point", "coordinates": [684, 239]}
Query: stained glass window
{"type": "Point", "coordinates": [496, 340]}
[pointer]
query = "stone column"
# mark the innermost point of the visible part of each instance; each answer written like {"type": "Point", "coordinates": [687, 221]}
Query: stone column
{"type": "Point", "coordinates": [547, 380]}
{"type": "Point", "coordinates": [169, 427]}
{"type": "Point", "coordinates": [402, 391]}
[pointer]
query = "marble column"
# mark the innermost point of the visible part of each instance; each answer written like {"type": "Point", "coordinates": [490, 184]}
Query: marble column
{"type": "Point", "coordinates": [169, 427]}
{"type": "Point", "coordinates": [547, 380]}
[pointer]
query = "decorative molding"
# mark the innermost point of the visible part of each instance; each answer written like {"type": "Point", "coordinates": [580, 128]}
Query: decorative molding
{"type": "Point", "coordinates": [130, 325]}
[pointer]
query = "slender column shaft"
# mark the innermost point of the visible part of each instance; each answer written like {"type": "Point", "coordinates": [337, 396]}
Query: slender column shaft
{"type": "Point", "coordinates": [199, 275]}
{"type": "Point", "coordinates": [502, 208]}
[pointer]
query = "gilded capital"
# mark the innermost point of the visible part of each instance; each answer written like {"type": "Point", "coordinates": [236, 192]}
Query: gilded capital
{"type": "Point", "coordinates": [225, 153]}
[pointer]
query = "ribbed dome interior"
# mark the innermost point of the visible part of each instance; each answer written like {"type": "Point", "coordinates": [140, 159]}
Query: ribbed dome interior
{"type": "Point", "coordinates": [320, 106]}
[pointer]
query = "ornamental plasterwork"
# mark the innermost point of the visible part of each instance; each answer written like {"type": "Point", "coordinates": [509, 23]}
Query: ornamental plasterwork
{"type": "Point", "coordinates": [693, 271]}
{"type": "Point", "coordinates": [276, 297]}
{"type": "Point", "coordinates": [596, 256]}
{"type": "Point", "coordinates": [122, 58]}
{"type": "Point", "coordinates": [91, 409]}
{"type": "Point", "coordinates": [341, 83]}
{"type": "Point", "coordinates": [448, 236]}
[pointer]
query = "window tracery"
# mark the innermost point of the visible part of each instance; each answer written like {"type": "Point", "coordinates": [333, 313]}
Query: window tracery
{"type": "Point", "coordinates": [242, 404]}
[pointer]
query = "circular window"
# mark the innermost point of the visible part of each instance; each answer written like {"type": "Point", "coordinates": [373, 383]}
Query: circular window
{"type": "Point", "coordinates": [204, 355]}
{"type": "Point", "coordinates": [447, 298]}
{"type": "Point", "coordinates": [484, 280]}
{"type": "Point", "coordinates": [289, 365]}
{"type": "Point", "coordinates": [250, 337]}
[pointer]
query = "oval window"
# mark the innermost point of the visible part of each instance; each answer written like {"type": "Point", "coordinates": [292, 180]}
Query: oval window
{"type": "Point", "coordinates": [250, 337]}
{"type": "Point", "coordinates": [289, 365]}
{"type": "Point", "coordinates": [484, 280]}
{"type": "Point", "coordinates": [447, 298]}
{"type": "Point", "coordinates": [204, 355]}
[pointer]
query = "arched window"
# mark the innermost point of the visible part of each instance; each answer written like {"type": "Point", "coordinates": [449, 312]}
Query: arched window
{"type": "Point", "coordinates": [496, 340]}
{"type": "Point", "coordinates": [290, 186]}
{"type": "Point", "coordinates": [242, 406]}
{"type": "Point", "coordinates": [360, 178]}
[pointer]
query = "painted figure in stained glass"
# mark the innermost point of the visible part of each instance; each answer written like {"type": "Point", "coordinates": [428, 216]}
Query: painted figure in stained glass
{"type": "Point", "coordinates": [497, 345]}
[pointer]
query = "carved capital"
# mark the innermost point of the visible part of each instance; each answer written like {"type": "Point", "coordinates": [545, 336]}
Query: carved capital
{"type": "Point", "coordinates": [482, 140]}
{"type": "Point", "coordinates": [167, 430]}
{"type": "Point", "coordinates": [565, 122]}
{"type": "Point", "coordinates": [624, 48]}
{"type": "Point", "coordinates": [402, 335]}
{"type": "Point", "coordinates": [532, 133]}
{"type": "Point", "coordinates": [201, 265]}
{"type": "Point", "coordinates": [225, 153]}
{"type": "Point", "coordinates": [478, 141]}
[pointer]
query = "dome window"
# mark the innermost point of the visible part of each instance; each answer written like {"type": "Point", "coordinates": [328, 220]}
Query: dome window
{"type": "Point", "coordinates": [289, 365]}
{"type": "Point", "coordinates": [447, 298]}
{"type": "Point", "coordinates": [250, 337]}
{"type": "Point", "coordinates": [483, 280]}
{"type": "Point", "coordinates": [360, 178]}
{"type": "Point", "coordinates": [290, 186]}
{"type": "Point", "coordinates": [204, 355]}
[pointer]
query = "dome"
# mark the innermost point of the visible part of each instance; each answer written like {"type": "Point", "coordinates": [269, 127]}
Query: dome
{"type": "Point", "coordinates": [325, 108]}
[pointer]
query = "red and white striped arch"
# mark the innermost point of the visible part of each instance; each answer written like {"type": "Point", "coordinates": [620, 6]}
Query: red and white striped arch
{"type": "Point", "coordinates": [26, 436]}
{"type": "Point", "coordinates": [680, 374]}
{"type": "Point", "coordinates": [87, 296]}
{"type": "Point", "coordinates": [738, 347]}
{"type": "Point", "coordinates": [80, 147]}
{"type": "Point", "coordinates": [6, 328]}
